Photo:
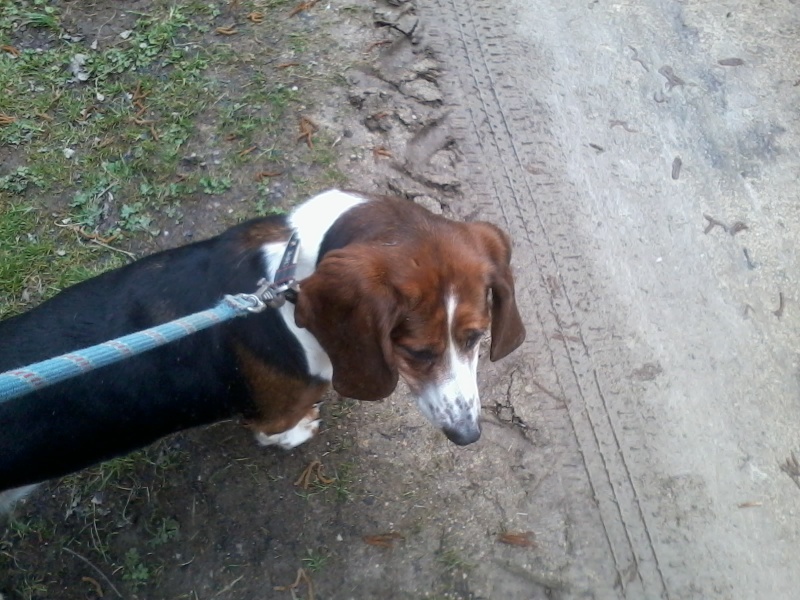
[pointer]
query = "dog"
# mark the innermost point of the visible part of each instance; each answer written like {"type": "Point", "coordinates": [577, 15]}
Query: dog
{"type": "Point", "coordinates": [386, 290]}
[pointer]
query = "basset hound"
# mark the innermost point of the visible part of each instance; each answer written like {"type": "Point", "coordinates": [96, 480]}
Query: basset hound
{"type": "Point", "coordinates": [387, 289]}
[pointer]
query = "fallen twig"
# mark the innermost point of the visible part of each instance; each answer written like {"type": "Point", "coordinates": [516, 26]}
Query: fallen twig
{"type": "Point", "coordinates": [97, 570]}
{"type": "Point", "coordinates": [383, 540]}
{"type": "Point", "coordinates": [301, 575]}
{"type": "Point", "coordinates": [409, 34]}
{"type": "Point", "coordinates": [778, 312]}
{"type": "Point", "coordinates": [381, 151]}
{"type": "Point", "coordinates": [712, 222]}
{"type": "Point", "coordinates": [312, 471]}
{"type": "Point", "coordinates": [229, 587]}
{"type": "Point", "coordinates": [307, 129]}
{"type": "Point", "coordinates": [302, 6]}
{"type": "Point", "coordinates": [521, 540]}
{"type": "Point", "coordinates": [262, 175]}
{"type": "Point", "coordinates": [737, 227]}
{"type": "Point", "coordinates": [792, 468]}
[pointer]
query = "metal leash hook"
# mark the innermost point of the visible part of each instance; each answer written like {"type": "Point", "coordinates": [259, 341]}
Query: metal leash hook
{"type": "Point", "coordinates": [273, 294]}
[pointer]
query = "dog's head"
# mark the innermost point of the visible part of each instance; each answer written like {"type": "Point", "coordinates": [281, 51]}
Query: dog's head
{"type": "Point", "coordinates": [416, 307]}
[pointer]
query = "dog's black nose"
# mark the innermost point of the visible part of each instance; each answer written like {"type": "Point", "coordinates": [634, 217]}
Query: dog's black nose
{"type": "Point", "coordinates": [464, 435]}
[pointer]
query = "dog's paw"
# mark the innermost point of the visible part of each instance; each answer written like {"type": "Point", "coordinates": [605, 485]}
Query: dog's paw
{"type": "Point", "coordinates": [300, 433]}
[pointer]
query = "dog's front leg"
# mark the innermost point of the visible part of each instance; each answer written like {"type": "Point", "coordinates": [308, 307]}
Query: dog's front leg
{"type": "Point", "coordinates": [283, 409]}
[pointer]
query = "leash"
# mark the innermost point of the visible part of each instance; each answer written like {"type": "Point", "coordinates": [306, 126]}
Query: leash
{"type": "Point", "coordinates": [19, 382]}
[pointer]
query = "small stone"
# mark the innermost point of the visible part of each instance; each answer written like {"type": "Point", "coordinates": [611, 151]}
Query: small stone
{"type": "Point", "coordinates": [76, 66]}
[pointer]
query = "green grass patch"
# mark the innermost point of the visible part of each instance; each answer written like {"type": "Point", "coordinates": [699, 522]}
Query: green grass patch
{"type": "Point", "coordinates": [36, 262]}
{"type": "Point", "coordinates": [118, 115]}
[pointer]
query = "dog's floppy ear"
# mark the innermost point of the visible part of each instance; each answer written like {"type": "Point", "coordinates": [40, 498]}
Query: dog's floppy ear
{"type": "Point", "coordinates": [349, 306]}
{"type": "Point", "coordinates": [508, 332]}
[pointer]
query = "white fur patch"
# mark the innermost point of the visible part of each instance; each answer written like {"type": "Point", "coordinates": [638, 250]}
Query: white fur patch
{"type": "Point", "coordinates": [453, 402]}
{"type": "Point", "coordinates": [463, 366]}
{"type": "Point", "coordinates": [311, 220]}
{"type": "Point", "coordinates": [306, 429]}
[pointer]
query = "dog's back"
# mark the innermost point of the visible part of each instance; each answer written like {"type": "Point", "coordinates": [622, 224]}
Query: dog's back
{"type": "Point", "coordinates": [123, 406]}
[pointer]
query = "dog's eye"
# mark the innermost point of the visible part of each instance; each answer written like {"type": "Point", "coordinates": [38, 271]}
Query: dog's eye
{"type": "Point", "coordinates": [420, 355]}
{"type": "Point", "coordinates": [473, 338]}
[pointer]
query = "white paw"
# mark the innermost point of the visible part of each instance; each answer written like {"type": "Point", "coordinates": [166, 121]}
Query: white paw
{"type": "Point", "coordinates": [10, 497]}
{"type": "Point", "coordinates": [302, 432]}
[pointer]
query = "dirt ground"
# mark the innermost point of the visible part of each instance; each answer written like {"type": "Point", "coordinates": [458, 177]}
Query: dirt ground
{"type": "Point", "coordinates": [641, 443]}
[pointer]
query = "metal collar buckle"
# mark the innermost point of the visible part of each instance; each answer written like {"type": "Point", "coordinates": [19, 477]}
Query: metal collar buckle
{"type": "Point", "coordinates": [284, 286]}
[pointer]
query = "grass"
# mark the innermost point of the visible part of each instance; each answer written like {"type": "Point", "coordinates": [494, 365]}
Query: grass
{"type": "Point", "coordinates": [37, 261]}
{"type": "Point", "coordinates": [103, 148]}
{"type": "Point", "coordinates": [451, 560]}
{"type": "Point", "coordinates": [100, 136]}
{"type": "Point", "coordinates": [315, 560]}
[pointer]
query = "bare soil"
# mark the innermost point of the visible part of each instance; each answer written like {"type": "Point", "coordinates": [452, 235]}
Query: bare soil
{"type": "Point", "coordinates": [643, 441]}
{"type": "Point", "coordinates": [207, 513]}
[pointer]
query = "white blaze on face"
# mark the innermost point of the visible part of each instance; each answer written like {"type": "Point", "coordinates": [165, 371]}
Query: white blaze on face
{"type": "Point", "coordinates": [451, 401]}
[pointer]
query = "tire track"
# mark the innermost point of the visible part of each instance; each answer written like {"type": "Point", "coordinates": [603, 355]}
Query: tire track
{"type": "Point", "coordinates": [496, 121]}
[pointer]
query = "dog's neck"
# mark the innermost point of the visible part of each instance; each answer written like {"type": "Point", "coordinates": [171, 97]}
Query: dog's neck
{"type": "Point", "coordinates": [311, 220]}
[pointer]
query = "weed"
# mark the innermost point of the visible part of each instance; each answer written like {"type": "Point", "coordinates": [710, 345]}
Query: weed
{"type": "Point", "coordinates": [32, 586]}
{"type": "Point", "coordinates": [167, 458]}
{"type": "Point", "coordinates": [315, 560]}
{"type": "Point", "coordinates": [451, 560]}
{"type": "Point", "coordinates": [19, 180]}
{"type": "Point", "coordinates": [23, 528]}
{"type": "Point", "coordinates": [323, 153]}
{"type": "Point", "coordinates": [166, 530]}
{"type": "Point", "coordinates": [215, 185]}
{"type": "Point", "coordinates": [134, 217]}
{"type": "Point", "coordinates": [133, 569]}
{"type": "Point", "coordinates": [271, 4]}
{"type": "Point", "coordinates": [262, 210]}
{"type": "Point", "coordinates": [41, 20]}
{"type": "Point", "coordinates": [342, 480]}
{"type": "Point", "coordinates": [342, 408]}
{"type": "Point", "coordinates": [298, 42]}
{"type": "Point", "coordinates": [334, 178]}
{"type": "Point", "coordinates": [97, 478]}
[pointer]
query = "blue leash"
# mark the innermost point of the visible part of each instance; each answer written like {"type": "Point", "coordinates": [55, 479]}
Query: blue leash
{"type": "Point", "coordinates": [19, 382]}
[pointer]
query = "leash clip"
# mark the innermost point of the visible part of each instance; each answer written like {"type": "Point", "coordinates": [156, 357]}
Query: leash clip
{"type": "Point", "coordinates": [273, 294]}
